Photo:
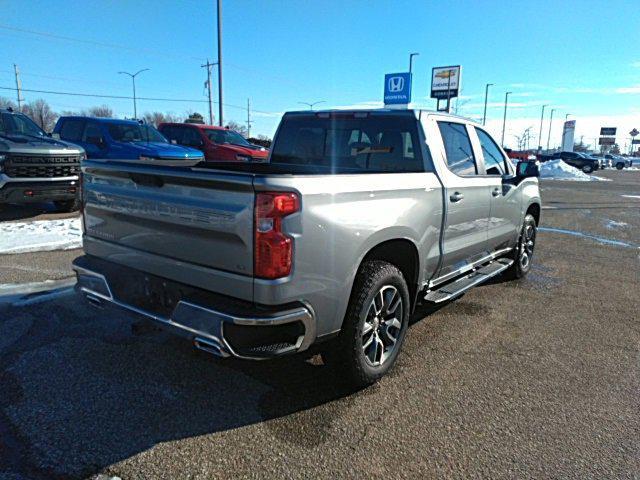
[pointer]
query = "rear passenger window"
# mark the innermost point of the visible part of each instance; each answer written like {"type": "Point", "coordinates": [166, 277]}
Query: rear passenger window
{"type": "Point", "coordinates": [72, 130]}
{"type": "Point", "coordinates": [494, 161]}
{"type": "Point", "coordinates": [457, 145]}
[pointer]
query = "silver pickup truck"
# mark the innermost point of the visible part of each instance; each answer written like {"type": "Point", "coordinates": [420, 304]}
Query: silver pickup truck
{"type": "Point", "coordinates": [357, 217]}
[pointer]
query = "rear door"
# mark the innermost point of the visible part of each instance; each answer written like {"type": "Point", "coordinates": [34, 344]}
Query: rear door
{"type": "Point", "coordinates": [467, 200]}
{"type": "Point", "coordinates": [505, 212]}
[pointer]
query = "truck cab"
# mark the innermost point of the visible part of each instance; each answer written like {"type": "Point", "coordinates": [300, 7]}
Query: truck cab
{"type": "Point", "coordinates": [105, 138]}
{"type": "Point", "coordinates": [218, 144]}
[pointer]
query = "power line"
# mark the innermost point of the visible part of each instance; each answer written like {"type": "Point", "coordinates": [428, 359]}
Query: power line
{"type": "Point", "coordinates": [96, 43]}
{"type": "Point", "coordinates": [126, 97]}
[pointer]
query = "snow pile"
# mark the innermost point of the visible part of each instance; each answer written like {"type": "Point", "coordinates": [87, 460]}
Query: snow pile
{"type": "Point", "coordinates": [41, 235]}
{"type": "Point", "coordinates": [558, 170]}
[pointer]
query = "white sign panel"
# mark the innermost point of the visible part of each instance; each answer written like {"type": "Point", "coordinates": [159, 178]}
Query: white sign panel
{"type": "Point", "coordinates": [446, 81]}
{"type": "Point", "coordinates": [568, 134]}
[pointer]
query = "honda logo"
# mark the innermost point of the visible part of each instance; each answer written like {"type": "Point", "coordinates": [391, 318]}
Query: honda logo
{"type": "Point", "coordinates": [396, 84]}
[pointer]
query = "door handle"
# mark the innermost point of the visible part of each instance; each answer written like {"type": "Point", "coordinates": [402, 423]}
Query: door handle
{"type": "Point", "coordinates": [456, 197]}
{"type": "Point", "coordinates": [495, 192]}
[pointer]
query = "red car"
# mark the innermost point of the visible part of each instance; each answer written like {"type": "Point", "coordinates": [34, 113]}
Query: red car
{"type": "Point", "coordinates": [218, 144]}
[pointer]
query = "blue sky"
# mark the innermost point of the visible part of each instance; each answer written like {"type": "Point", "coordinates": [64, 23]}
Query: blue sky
{"type": "Point", "coordinates": [581, 57]}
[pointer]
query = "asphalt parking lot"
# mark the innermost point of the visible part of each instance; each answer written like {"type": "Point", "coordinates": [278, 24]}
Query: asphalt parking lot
{"type": "Point", "coordinates": [537, 378]}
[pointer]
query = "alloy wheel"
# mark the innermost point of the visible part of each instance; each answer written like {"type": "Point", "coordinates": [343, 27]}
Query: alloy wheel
{"type": "Point", "coordinates": [527, 245]}
{"type": "Point", "coordinates": [382, 326]}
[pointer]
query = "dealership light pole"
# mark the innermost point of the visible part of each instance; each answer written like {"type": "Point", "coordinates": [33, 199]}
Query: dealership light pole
{"type": "Point", "coordinates": [550, 124]}
{"type": "Point", "coordinates": [486, 95]}
{"type": "Point", "coordinates": [312, 104]}
{"type": "Point", "coordinates": [540, 135]}
{"type": "Point", "coordinates": [220, 121]}
{"type": "Point", "coordinates": [133, 80]}
{"type": "Point", "coordinates": [566, 117]}
{"type": "Point", "coordinates": [504, 119]}
{"type": "Point", "coordinates": [411, 55]}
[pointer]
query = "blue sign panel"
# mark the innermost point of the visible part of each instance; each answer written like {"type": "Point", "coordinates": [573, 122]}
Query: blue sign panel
{"type": "Point", "coordinates": [397, 88]}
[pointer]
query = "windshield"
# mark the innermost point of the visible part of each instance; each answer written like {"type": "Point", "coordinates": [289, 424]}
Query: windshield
{"type": "Point", "coordinates": [376, 143]}
{"type": "Point", "coordinates": [19, 124]}
{"type": "Point", "coordinates": [131, 132]}
{"type": "Point", "coordinates": [226, 136]}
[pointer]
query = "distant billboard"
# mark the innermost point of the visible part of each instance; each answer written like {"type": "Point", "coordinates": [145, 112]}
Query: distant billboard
{"type": "Point", "coordinates": [568, 135]}
{"type": "Point", "coordinates": [607, 131]}
{"type": "Point", "coordinates": [446, 81]}
{"type": "Point", "coordinates": [607, 141]}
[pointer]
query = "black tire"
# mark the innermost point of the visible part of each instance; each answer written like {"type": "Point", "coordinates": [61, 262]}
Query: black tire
{"type": "Point", "coordinates": [67, 206]}
{"type": "Point", "coordinates": [359, 365]}
{"type": "Point", "coordinates": [523, 254]}
{"type": "Point", "coordinates": [620, 166]}
{"type": "Point", "coordinates": [587, 169]}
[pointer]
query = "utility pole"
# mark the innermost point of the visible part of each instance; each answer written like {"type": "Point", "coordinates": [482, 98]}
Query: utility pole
{"type": "Point", "coordinates": [133, 80]}
{"type": "Point", "coordinates": [220, 119]}
{"type": "Point", "coordinates": [550, 124]}
{"type": "Point", "coordinates": [18, 87]}
{"type": "Point", "coordinates": [486, 95]}
{"type": "Point", "coordinates": [540, 135]}
{"type": "Point", "coordinates": [208, 65]}
{"type": "Point", "coordinates": [411, 55]}
{"type": "Point", "coordinates": [504, 120]}
{"type": "Point", "coordinates": [248, 118]}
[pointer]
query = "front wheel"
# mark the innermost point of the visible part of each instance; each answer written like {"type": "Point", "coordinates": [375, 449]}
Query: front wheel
{"type": "Point", "coordinates": [620, 166]}
{"type": "Point", "coordinates": [523, 254]}
{"type": "Point", "coordinates": [587, 169]}
{"type": "Point", "coordinates": [374, 327]}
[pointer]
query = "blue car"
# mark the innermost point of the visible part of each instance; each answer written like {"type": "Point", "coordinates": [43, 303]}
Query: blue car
{"type": "Point", "coordinates": [121, 139]}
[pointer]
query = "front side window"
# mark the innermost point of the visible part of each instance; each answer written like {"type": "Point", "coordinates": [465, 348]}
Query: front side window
{"type": "Point", "coordinates": [494, 161]}
{"type": "Point", "coordinates": [457, 145]}
{"type": "Point", "coordinates": [344, 143]}
{"type": "Point", "coordinates": [92, 132]}
{"type": "Point", "coordinates": [131, 132]}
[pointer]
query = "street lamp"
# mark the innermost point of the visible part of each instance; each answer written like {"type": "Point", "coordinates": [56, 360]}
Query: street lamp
{"type": "Point", "coordinates": [133, 80]}
{"type": "Point", "coordinates": [550, 123]}
{"type": "Point", "coordinates": [540, 135]}
{"type": "Point", "coordinates": [567, 116]}
{"type": "Point", "coordinates": [312, 104]}
{"type": "Point", "coordinates": [486, 95]}
{"type": "Point", "coordinates": [411, 55]}
{"type": "Point", "coordinates": [504, 120]}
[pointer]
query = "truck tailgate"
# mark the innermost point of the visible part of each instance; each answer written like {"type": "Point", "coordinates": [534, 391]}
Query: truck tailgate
{"type": "Point", "coordinates": [177, 219]}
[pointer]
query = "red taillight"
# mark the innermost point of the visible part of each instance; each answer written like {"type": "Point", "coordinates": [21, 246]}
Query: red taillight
{"type": "Point", "coordinates": [273, 249]}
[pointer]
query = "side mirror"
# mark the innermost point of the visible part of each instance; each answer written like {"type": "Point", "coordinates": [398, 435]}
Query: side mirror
{"type": "Point", "coordinates": [527, 169]}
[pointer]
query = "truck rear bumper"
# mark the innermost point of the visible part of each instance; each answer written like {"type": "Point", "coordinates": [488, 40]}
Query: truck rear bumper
{"type": "Point", "coordinates": [219, 325]}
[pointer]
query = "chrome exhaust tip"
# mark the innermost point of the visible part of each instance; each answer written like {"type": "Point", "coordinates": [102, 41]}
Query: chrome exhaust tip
{"type": "Point", "coordinates": [208, 346]}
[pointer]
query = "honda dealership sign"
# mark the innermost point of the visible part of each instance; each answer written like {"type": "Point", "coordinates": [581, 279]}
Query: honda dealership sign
{"type": "Point", "coordinates": [446, 82]}
{"type": "Point", "coordinates": [397, 88]}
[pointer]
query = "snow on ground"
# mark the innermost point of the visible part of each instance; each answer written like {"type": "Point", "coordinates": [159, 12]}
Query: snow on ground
{"type": "Point", "coordinates": [631, 196]}
{"type": "Point", "coordinates": [41, 235]}
{"type": "Point", "coordinates": [558, 170]}
{"type": "Point", "coordinates": [613, 224]}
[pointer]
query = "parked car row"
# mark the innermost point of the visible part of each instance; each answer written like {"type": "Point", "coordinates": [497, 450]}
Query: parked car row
{"type": "Point", "coordinates": [589, 162]}
{"type": "Point", "coordinates": [36, 166]}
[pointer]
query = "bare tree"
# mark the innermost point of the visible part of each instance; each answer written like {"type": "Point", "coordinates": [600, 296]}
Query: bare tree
{"type": "Point", "coordinates": [237, 127]}
{"type": "Point", "coordinates": [103, 111]}
{"type": "Point", "coordinates": [41, 113]}
{"type": "Point", "coordinates": [6, 103]}
{"type": "Point", "coordinates": [156, 118]}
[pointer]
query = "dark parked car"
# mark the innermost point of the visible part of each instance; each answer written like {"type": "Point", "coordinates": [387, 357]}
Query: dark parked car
{"type": "Point", "coordinates": [579, 160]}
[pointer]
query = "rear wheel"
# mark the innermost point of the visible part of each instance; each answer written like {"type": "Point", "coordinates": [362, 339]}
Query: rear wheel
{"type": "Point", "coordinates": [587, 169]}
{"type": "Point", "coordinates": [523, 254]}
{"type": "Point", "coordinates": [67, 205]}
{"type": "Point", "coordinates": [374, 327]}
{"type": "Point", "coordinates": [620, 166]}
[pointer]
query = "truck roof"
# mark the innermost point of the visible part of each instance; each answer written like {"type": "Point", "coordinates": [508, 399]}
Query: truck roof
{"type": "Point", "coordinates": [201, 126]}
{"type": "Point", "coordinates": [415, 111]}
{"type": "Point", "coordinates": [102, 119]}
